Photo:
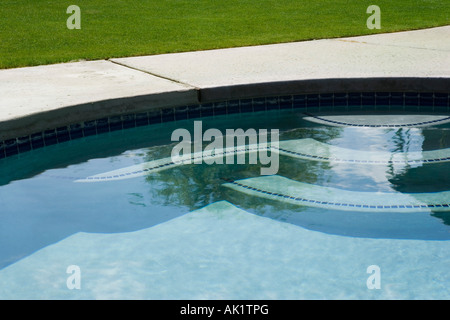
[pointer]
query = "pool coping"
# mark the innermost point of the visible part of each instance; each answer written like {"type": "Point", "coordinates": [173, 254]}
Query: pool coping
{"type": "Point", "coordinates": [71, 93]}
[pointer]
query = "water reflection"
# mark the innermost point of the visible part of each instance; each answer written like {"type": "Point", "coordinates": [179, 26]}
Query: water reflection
{"type": "Point", "coordinates": [196, 186]}
{"type": "Point", "coordinates": [41, 205]}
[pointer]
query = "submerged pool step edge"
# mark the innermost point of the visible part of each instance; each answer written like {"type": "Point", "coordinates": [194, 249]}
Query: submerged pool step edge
{"type": "Point", "coordinates": [306, 149]}
{"type": "Point", "coordinates": [304, 194]}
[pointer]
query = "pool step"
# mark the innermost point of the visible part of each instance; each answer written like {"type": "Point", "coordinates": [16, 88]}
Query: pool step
{"type": "Point", "coordinates": [308, 149]}
{"type": "Point", "coordinates": [379, 121]}
{"type": "Point", "coordinates": [315, 150]}
{"type": "Point", "coordinates": [304, 194]}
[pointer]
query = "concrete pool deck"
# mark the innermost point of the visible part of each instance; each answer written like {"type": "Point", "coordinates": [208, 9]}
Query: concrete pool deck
{"type": "Point", "coordinates": [35, 99]}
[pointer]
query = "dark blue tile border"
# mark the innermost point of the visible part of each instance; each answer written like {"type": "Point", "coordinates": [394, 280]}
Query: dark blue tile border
{"type": "Point", "coordinates": [285, 102]}
{"type": "Point", "coordinates": [194, 112]}
{"type": "Point", "coordinates": [220, 108]}
{"type": "Point", "coordinates": [129, 121]}
{"type": "Point", "coordinates": [2, 150]}
{"type": "Point", "coordinates": [50, 137]}
{"type": "Point", "coordinates": [340, 100]}
{"type": "Point", "coordinates": [181, 113]}
{"type": "Point", "coordinates": [167, 115]}
{"type": "Point", "coordinates": [299, 101]}
{"type": "Point", "coordinates": [259, 104]}
{"type": "Point", "coordinates": [272, 103]}
{"type": "Point", "coordinates": [417, 101]}
{"type": "Point", "coordinates": [10, 147]}
{"type": "Point", "coordinates": [246, 105]}
{"type": "Point", "coordinates": [23, 144]}
{"type": "Point", "coordinates": [354, 99]}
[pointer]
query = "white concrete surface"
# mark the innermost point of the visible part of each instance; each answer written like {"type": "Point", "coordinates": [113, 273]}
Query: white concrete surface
{"type": "Point", "coordinates": [39, 98]}
{"type": "Point", "coordinates": [31, 90]}
{"type": "Point", "coordinates": [429, 39]}
{"type": "Point", "coordinates": [386, 55]}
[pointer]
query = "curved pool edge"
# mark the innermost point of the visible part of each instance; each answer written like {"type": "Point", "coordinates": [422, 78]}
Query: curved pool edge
{"type": "Point", "coordinates": [67, 115]}
{"type": "Point", "coordinates": [380, 69]}
{"type": "Point", "coordinates": [326, 86]}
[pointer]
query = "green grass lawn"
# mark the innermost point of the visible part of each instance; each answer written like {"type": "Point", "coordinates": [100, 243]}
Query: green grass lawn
{"type": "Point", "coordinates": [34, 32]}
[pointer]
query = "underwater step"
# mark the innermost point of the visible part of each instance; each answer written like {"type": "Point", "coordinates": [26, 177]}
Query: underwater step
{"type": "Point", "coordinates": [157, 165]}
{"type": "Point", "coordinates": [308, 149]}
{"type": "Point", "coordinates": [304, 194]}
{"type": "Point", "coordinates": [315, 150]}
{"type": "Point", "coordinates": [386, 121]}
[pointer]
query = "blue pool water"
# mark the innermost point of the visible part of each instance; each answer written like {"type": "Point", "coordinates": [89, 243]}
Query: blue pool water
{"type": "Point", "coordinates": [352, 190]}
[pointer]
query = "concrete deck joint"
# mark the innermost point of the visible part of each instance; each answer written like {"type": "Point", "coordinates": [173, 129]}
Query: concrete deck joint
{"type": "Point", "coordinates": [153, 74]}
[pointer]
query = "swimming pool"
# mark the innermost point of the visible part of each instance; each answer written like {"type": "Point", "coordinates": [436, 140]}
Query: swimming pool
{"type": "Point", "coordinates": [356, 187]}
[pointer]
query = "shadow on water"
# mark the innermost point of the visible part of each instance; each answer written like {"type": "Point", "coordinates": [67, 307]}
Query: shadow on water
{"type": "Point", "coordinates": [42, 205]}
